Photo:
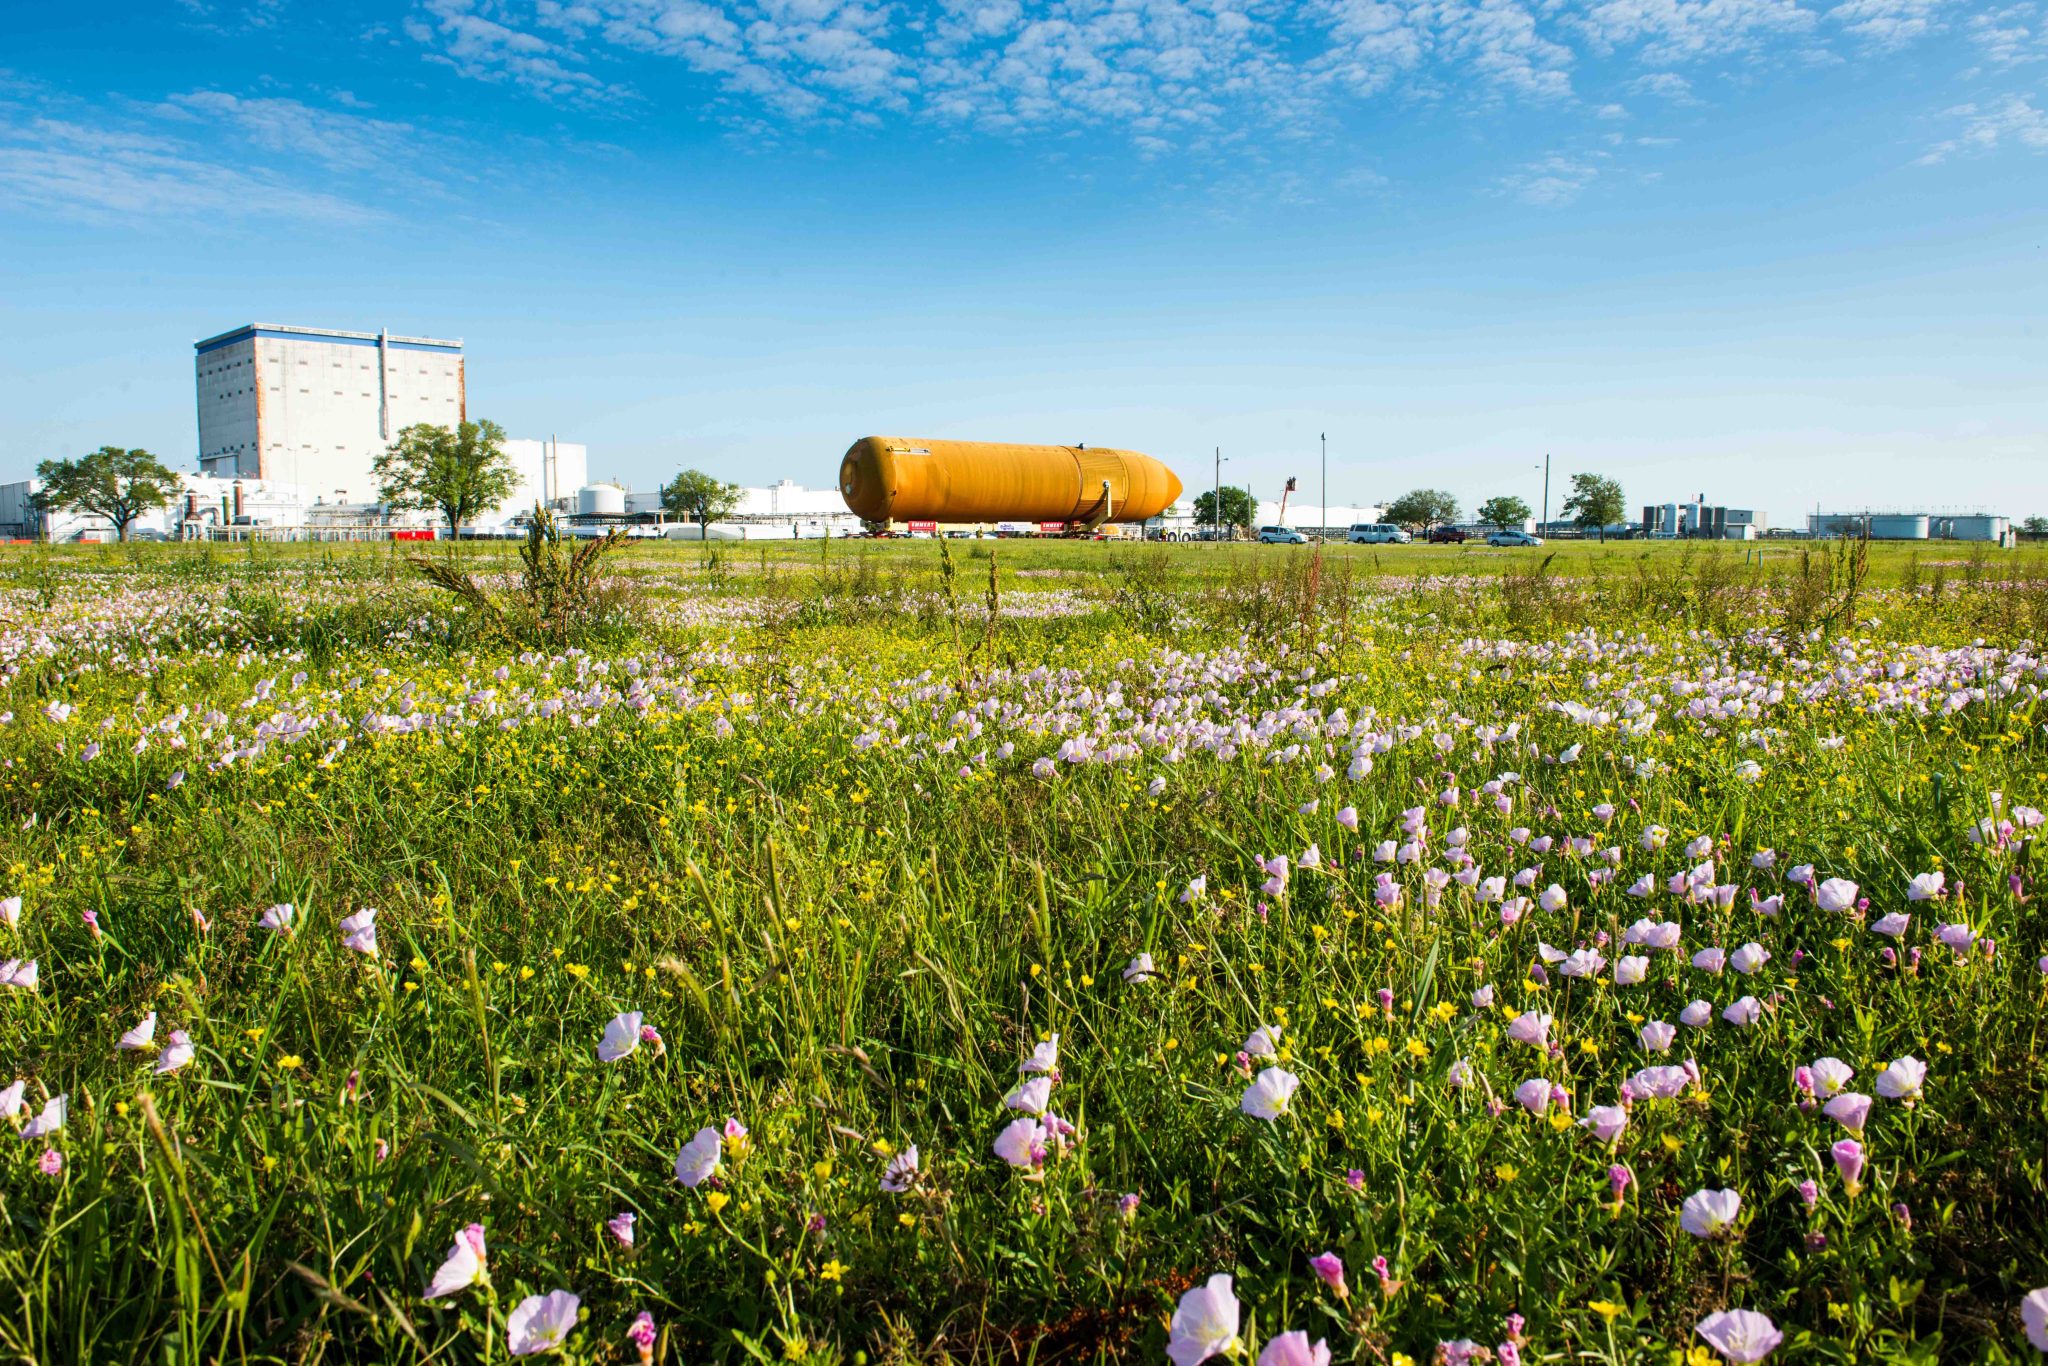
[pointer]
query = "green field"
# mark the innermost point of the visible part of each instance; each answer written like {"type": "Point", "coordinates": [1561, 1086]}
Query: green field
{"type": "Point", "coordinates": [859, 830]}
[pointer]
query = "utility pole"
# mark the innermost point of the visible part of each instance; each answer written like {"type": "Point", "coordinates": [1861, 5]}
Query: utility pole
{"type": "Point", "coordinates": [1545, 528]}
{"type": "Point", "coordinates": [1216, 507]}
{"type": "Point", "coordinates": [1325, 520]}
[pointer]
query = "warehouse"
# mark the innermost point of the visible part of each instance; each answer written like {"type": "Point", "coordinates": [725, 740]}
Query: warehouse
{"type": "Point", "coordinates": [313, 407]}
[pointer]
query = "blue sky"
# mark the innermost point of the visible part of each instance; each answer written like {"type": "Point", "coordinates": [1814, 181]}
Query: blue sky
{"type": "Point", "coordinates": [1777, 251]}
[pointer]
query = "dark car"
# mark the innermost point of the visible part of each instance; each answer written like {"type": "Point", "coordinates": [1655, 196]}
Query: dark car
{"type": "Point", "coordinates": [1447, 535]}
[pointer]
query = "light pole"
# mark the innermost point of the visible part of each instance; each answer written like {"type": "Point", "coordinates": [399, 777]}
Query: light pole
{"type": "Point", "coordinates": [1544, 526]}
{"type": "Point", "coordinates": [1325, 518]}
{"type": "Point", "coordinates": [1216, 501]}
{"type": "Point", "coordinates": [1216, 507]}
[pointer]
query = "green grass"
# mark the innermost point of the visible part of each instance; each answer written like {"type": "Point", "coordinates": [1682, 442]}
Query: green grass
{"type": "Point", "coordinates": [848, 944]}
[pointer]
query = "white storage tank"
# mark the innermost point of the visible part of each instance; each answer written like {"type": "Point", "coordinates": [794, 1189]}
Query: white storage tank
{"type": "Point", "coordinates": [1898, 526]}
{"type": "Point", "coordinates": [1976, 528]}
{"type": "Point", "coordinates": [600, 500]}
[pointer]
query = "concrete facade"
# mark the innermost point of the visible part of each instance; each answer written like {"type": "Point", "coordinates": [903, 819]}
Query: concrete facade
{"type": "Point", "coordinates": [314, 407]}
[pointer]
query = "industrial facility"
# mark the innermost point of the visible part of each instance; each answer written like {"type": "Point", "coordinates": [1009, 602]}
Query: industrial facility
{"type": "Point", "coordinates": [1913, 526]}
{"type": "Point", "coordinates": [291, 421]}
{"type": "Point", "coordinates": [1699, 521]}
{"type": "Point", "coordinates": [312, 407]}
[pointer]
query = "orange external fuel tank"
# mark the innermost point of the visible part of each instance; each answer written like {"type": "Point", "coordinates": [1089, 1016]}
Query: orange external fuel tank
{"type": "Point", "coordinates": [893, 478]}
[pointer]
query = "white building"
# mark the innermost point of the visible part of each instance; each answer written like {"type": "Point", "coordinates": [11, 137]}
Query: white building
{"type": "Point", "coordinates": [313, 407]}
{"type": "Point", "coordinates": [549, 471]}
{"type": "Point", "coordinates": [785, 498]}
{"type": "Point", "coordinates": [1180, 522]}
{"type": "Point", "coordinates": [201, 504]}
{"type": "Point", "coordinates": [782, 510]}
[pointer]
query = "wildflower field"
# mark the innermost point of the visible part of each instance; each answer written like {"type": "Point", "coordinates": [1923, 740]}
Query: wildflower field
{"type": "Point", "coordinates": [1017, 952]}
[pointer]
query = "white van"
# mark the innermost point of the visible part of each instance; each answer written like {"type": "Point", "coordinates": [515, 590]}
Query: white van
{"type": "Point", "coordinates": [1377, 533]}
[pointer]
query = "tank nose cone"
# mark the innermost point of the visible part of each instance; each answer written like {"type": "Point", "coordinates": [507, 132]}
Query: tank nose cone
{"type": "Point", "coordinates": [861, 481]}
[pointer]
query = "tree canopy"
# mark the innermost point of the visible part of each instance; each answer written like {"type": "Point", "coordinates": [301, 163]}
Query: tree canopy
{"type": "Point", "coordinates": [119, 485]}
{"type": "Point", "coordinates": [1423, 508]}
{"type": "Point", "coordinates": [1503, 511]}
{"type": "Point", "coordinates": [1237, 507]}
{"type": "Point", "coordinates": [697, 496]}
{"type": "Point", "coordinates": [464, 473]}
{"type": "Point", "coordinates": [1596, 502]}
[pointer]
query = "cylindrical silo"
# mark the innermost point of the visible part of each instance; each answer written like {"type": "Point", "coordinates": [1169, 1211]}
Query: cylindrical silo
{"type": "Point", "coordinates": [1975, 528]}
{"type": "Point", "coordinates": [600, 500]}
{"type": "Point", "coordinates": [1898, 526]}
{"type": "Point", "coordinates": [888, 478]}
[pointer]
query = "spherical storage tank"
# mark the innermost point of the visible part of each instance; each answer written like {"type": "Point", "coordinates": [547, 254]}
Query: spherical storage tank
{"type": "Point", "coordinates": [892, 478]}
{"type": "Point", "coordinates": [600, 500]}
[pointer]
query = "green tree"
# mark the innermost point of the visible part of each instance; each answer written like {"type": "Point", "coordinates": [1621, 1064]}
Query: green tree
{"type": "Point", "coordinates": [1423, 509]}
{"type": "Point", "coordinates": [1503, 511]}
{"type": "Point", "coordinates": [1237, 507]}
{"type": "Point", "coordinates": [2034, 526]}
{"type": "Point", "coordinates": [1595, 502]}
{"type": "Point", "coordinates": [116, 484]}
{"type": "Point", "coordinates": [464, 473]}
{"type": "Point", "coordinates": [697, 496]}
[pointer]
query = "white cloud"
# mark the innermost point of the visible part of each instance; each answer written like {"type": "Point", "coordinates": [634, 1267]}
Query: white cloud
{"type": "Point", "coordinates": [1165, 70]}
{"type": "Point", "coordinates": [1664, 84]}
{"type": "Point", "coordinates": [347, 142]}
{"type": "Point", "coordinates": [1669, 32]}
{"type": "Point", "coordinates": [1551, 182]}
{"type": "Point", "coordinates": [227, 16]}
{"type": "Point", "coordinates": [484, 49]}
{"type": "Point", "coordinates": [2011, 35]}
{"type": "Point", "coordinates": [1890, 23]}
{"type": "Point", "coordinates": [2011, 121]}
{"type": "Point", "coordinates": [107, 175]}
{"type": "Point", "coordinates": [1173, 76]}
